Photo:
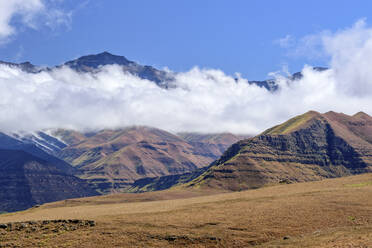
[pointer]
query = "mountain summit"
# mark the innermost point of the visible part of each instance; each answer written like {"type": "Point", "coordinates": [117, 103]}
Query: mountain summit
{"type": "Point", "coordinates": [92, 63]}
{"type": "Point", "coordinates": [85, 63]}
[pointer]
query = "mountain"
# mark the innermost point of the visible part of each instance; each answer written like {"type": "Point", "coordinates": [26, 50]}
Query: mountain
{"type": "Point", "coordinates": [114, 159]}
{"type": "Point", "coordinates": [44, 140]}
{"type": "Point", "coordinates": [25, 66]}
{"type": "Point", "coordinates": [32, 146]}
{"type": "Point", "coordinates": [93, 63]}
{"type": "Point", "coordinates": [27, 180]}
{"type": "Point", "coordinates": [271, 84]}
{"type": "Point", "coordinates": [308, 147]}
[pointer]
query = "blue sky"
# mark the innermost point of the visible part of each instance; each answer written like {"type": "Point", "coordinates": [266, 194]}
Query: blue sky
{"type": "Point", "coordinates": [234, 36]}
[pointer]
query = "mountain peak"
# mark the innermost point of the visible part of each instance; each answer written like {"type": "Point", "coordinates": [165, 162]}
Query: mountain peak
{"type": "Point", "coordinates": [362, 115]}
{"type": "Point", "coordinates": [93, 61]}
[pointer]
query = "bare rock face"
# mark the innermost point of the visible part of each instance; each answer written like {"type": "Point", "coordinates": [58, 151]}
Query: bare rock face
{"type": "Point", "coordinates": [309, 147]}
{"type": "Point", "coordinates": [27, 180]}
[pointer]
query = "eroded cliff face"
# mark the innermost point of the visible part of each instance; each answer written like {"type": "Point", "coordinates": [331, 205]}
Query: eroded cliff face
{"type": "Point", "coordinates": [308, 147]}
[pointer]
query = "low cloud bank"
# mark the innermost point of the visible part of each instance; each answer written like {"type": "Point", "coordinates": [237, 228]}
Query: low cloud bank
{"type": "Point", "coordinates": [204, 100]}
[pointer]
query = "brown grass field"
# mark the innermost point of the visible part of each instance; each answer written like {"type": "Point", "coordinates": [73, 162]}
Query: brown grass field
{"type": "Point", "coordinates": [328, 213]}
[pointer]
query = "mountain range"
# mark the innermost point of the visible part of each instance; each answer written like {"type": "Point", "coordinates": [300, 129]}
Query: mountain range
{"type": "Point", "coordinates": [93, 63]}
{"type": "Point", "coordinates": [50, 165]}
{"type": "Point", "coordinates": [308, 147]}
{"type": "Point", "coordinates": [107, 161]}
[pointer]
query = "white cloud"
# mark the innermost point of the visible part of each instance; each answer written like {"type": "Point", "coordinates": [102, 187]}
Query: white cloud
{"type": "Point", "coordinates": [285, 42]}
{"type": "Point", "coordinates": [29, 13]}
{"type": "Point", "coordinates": [205, 100]}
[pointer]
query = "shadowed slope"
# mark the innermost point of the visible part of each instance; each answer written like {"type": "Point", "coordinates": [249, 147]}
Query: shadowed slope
{"type": "Point", "coordinates": [27, 180]}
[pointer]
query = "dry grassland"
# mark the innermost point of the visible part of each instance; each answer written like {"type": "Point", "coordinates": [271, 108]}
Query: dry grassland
{"type": "Point", "coordinates": [328, 213]}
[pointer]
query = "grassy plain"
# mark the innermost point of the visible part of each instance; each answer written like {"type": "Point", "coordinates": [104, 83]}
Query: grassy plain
{"type": "Point", "coordinates": [328, 213]}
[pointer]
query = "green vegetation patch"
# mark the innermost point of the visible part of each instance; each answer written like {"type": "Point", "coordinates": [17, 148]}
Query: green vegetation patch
{"type": "Point", "coordinates": [291, 124]}
{"type": "Point", "coordinates": [359, 184]}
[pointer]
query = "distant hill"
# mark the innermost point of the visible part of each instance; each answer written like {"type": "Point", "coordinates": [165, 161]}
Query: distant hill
{"type": "Point", "coordinates": [114, 159]}
{"type": "Point", "coordinates": [308, 147]}
{"type": "Point", "coordinates": [27, 180]}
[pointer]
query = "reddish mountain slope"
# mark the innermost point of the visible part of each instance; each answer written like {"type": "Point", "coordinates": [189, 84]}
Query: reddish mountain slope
{"type": "Point", "coordinates": [113, 159]}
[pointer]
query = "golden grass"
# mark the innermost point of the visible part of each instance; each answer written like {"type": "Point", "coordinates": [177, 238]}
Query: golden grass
{"type": "Point", "coordinates": [327, 213]}
{"type": "Point", "coordinates": [291, 125]}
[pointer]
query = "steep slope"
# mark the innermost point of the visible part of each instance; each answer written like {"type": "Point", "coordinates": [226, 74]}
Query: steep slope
{"type": "Point", "coordinates": [32, 147]}
{"type": "Point", "coordinates": [210, 145]}
{"type": "Point", "coordinates": [41, 139]}
{"type": "Point", "coordinates": [308, 147]}
{"type": "Point", "coordinates": [27, 180]}
{"type": "Point", "coordinates": [114, 159]}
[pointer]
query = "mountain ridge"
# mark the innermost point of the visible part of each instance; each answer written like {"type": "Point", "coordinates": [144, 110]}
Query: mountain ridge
{"type": "Point", "coordinates": [93, 62]}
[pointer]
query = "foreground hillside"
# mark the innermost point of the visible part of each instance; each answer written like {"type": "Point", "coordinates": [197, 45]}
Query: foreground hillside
{"type": "Point", "coordinates": [328, 213]}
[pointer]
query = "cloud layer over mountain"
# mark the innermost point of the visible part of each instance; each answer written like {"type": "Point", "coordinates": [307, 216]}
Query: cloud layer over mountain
{"type": "Point", "coordinates": [204, 100]}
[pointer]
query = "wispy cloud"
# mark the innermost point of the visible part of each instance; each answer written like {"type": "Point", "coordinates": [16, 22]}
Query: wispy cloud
{"type": "Point", "coordinates": [285, 42]}
{"type": "Point", "coordinates": [32, 14]}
